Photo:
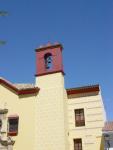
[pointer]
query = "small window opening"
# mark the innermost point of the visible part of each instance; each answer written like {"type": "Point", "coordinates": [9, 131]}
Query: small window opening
{"type": "Point", "coordinates": [13, 126]}
{"type": "Point", "coordinates": [79, 117]}
{"type": "Point", "coordinates": [48, 61]}
{"type": "Point", "coordinates": [77, 144]}
{"type": "Point", "coordinates": [0, 124]}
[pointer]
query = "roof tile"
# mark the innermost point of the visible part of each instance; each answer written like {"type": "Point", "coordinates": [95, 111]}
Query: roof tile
{"type": "Point", "coordinates": [108, 126]}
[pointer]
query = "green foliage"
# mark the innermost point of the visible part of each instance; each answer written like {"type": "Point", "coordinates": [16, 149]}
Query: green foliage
{"type": "Point", "coordinates": [3, 13]}
{"type": "Point", "coordinates": [2, 42]}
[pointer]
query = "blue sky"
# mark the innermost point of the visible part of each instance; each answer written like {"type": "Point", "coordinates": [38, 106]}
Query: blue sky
{"type": "Point", "coordinates": [84, 27]}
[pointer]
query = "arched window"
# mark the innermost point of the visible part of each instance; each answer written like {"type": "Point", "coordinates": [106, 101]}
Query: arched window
{"type": "Point", "coordinates": [48, 61]}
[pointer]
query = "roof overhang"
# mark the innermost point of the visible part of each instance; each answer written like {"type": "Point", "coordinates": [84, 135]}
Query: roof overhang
{"type": "Point", "coordinates": [84, 89]}
{"type": "Point", "coordinates": [26, 91]}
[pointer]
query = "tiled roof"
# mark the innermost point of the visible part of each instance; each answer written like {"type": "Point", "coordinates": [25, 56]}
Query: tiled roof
{"type": "Point", "coordinates": [83, 89]}
{"type": "Point", "coordinates": [24, 86]}
{"type": "Point", "coordinates": [20, 89]}
{"type": "Point", "coordinates": [108, 126]}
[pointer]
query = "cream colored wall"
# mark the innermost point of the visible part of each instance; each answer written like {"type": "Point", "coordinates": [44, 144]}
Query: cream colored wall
{"type": "Point", "coordinates": [91, 133]}
{"type": "Point", "coordinates": [25, 108]}
{"type": "Point", "coordinates": [47, 121]}
{"type": "Point", "coordinates": [42, 118]}
{"type": "Point", "coordinates": [51, 113]}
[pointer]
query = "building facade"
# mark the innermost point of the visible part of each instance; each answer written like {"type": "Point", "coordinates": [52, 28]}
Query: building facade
{"type": "Point", "coordinates": [108, 135]}
{"type": "Point", "coordinates": [46, 115]}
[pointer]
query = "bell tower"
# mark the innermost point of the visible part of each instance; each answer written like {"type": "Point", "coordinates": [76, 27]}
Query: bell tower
{"type": "Point", "coordinates": [49, 59]}
{"type": "Point", "coordinates": [51, 107]}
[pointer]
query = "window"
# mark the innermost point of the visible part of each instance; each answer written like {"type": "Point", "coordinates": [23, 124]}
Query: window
{"type": "Point", "coordinates": [79, 117]}
{"type": "Point", "coordinates": [0, 124]}
{"type": "Point", "coordinates": [48, 61]}
{"type": "Point", "coordinates": [77, 144]}
{"type": "Point", "coordinates": [13, 125]}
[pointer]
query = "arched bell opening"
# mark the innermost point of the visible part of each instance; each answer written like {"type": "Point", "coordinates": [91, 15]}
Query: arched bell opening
{"type": "Point", "coordinates": [48, 61]}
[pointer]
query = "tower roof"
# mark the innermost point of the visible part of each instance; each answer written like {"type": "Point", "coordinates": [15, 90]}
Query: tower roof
{"type": "Point", "coordinates": [48, 46]}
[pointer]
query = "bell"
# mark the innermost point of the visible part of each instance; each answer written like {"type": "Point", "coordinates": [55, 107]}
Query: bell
{"type": "Point", "coordinates": [49, 59]}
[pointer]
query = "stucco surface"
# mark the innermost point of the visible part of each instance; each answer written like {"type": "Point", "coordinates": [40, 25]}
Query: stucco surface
{"type": "Point", "coordinates": [91, 133]}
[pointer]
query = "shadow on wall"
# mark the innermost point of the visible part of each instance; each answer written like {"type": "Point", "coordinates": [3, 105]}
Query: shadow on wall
{"type": "Point", "coordinates": [102, 143]}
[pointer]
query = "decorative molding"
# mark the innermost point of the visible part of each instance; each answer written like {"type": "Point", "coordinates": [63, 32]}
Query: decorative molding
{"type": "Point", "coordinates": [83, 102]}
{"type": "Point", "coordinates": [46, 73]}
{"type": "Point", "coordinates": [88, 135]}
{"type": "Point", "coordinates": [94, 107]}
{"type": "Point", "coordinates": [95, 114]}
{"type": "Point", "coordinates": [3, 111]}
{"type": "Point", "coordinates": [89, 143]}
{"type": "Point", "coordinates": [94, 120]}
{"type": "Point", "coordinates": [6, 142]}
{"type": "Point", "coordinates": [49, 46]}
{"type": "Point", "coordinates": [85, 128]}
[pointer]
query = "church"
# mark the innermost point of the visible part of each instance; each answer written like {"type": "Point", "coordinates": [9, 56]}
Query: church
{"type": "Point", "coordinates": [46, 115]}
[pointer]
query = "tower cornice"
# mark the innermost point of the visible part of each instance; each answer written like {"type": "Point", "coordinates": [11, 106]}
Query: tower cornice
{"type": "Point", "coordinates": [49, 46]}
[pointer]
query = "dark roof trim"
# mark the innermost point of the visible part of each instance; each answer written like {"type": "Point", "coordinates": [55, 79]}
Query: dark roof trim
{"type": "Point", "coordinates": [8, 84]}
{"type": "Point", "coordinates": [84, 89]}
{"type": "Point", "coordinates": [50, 73]}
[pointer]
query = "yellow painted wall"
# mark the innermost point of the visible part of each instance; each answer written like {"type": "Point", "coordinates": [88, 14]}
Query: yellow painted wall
{"type": "Point", "coordinates": [91, 133]}
{"type": "Point", "coordinates": [25, 108]}
{"type": "Point", "coordinates": [51, 113]}
{"type": "Point", "coordinates": [47, 121]}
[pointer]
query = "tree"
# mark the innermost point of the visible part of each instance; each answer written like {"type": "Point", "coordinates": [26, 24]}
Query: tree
{"type": "Point", "coordinates": [2, 14]}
